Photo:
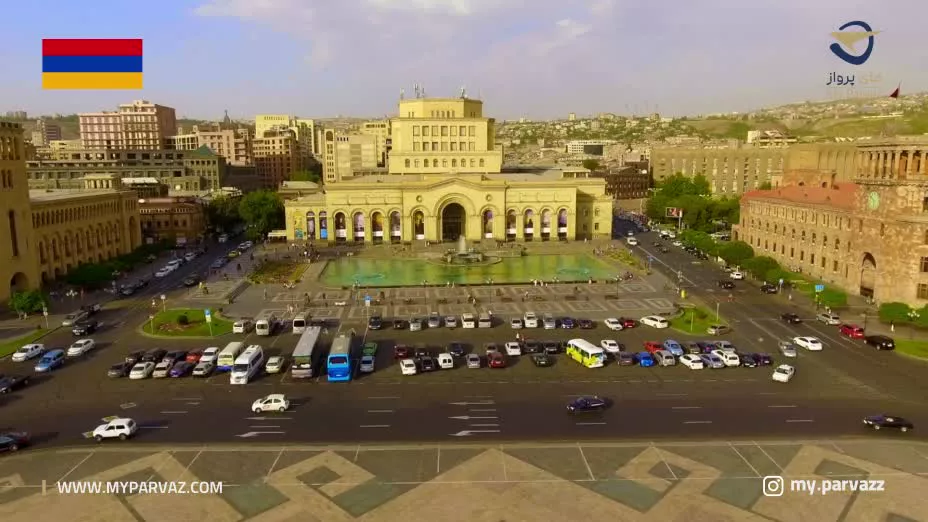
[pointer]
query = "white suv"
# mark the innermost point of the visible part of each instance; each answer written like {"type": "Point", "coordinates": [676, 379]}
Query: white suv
{"type": "Point", "coordinates": [530, 320]}
{"type": "Point", "coordinates": [115, 428]}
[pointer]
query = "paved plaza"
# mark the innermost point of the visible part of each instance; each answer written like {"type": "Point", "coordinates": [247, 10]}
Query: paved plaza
{"type": "Point", "coordinates": [713, 481]}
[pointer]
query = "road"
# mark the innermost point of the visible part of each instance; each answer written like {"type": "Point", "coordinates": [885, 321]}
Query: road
{"type": "Point", "coordinates": [832, 390]}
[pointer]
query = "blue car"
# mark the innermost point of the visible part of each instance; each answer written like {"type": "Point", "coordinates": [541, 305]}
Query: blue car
{"type": "Point", "coordinates": [674, 347]}
{"type": "Point", "coordinates": [567, 323]}
{"type": "Point", "coordinates": [50, 361]}
{"type": "Point", "coordinates": [645, 359]}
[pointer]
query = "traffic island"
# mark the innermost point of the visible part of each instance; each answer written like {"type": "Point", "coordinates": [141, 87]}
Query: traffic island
{"type": "Point", "coordinates": [912, 348]}
{"type": "Point", "coordinates": [186, 323]}
{"type": "Point", "coordinates": [696, 321]}
{"type": "Point", "coordinates": [278, 272]}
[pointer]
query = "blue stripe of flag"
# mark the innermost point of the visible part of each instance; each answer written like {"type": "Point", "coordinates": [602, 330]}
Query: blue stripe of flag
{"type": "Point", "coordinates": [92, 64]}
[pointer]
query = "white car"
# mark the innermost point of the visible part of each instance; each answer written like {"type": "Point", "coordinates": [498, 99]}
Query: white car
{"type": "Point", "coordinates": [655, 321]}
{"type": "Point", "coordinates": [549, 322]}
{"type": "Point", "coordinates": [451, 321]}
{"type": "Point", "coordinates": [736, 275]}
{"type": "Point", "coordinates": [729, 358]}
{"type": "Point", "coordinates": [80, 347]}
{"type": "Point", "coordinates": [223, 238]}
{"type": "Point", "coordinates": [516, 323]}
{"type": "Point", "coordinates": [787, 348]}
{"type": "Point", "coordinates": [115, 428]}
{"type": "Point", "coordinates": [164, 272]}
{"type": "Point", "coordinates": [162, 369]}
{"type": "Point", "coordinates": [273, 402]}
{"type": "Point", "coordinates": [613, 324]}
{"type": "Point", "coordinates": [829, 319]}
{"type": "Point", "coordinates": [275, 364]}
{"type": "Point", "coordinates": [190, 256]}
{"type": "Point", "coordinates": [72, 318]}
{"type": "Point", "coordinates": [242, 327]}
{"type": "Point", "coordinates": [204, 368]}
{"type": "Point", "coordinates": [408, 367]}
{"type": "Point", "coordinates": [367, 364]}
{"type": "Point", "coordinates": [677, 244]}
{"type": "Point", "coordinates": [141, 370]}
{"type": "Point", "coordinates": [530, 320]}
{"type": "Point", "coordinates": [692, 361]}
{"type": "Point", "coordinates": [210, 354]}
{"type": "Point", "coordinates": [809, 343]}
{"type": "Point", "coordinates": [784, 373]}
{"type": "Point", "coordinates": [631, 241]}
{"type": "Point", "coordinates": [28, 351]}
{"type": "Point", "coordinates": [610, 346]}
{"type": "Point", "coordinates": [513, 349]}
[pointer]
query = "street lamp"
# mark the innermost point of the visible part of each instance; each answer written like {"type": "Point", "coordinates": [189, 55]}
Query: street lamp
{"type": "Point", "coordinates": [151, 318]}
{"type": "Point", "coordinates": [164, 305]}
{"type": "Point", "coordinates": [913, 316]}
{"type": "Point", "coordinates": [717, 304]}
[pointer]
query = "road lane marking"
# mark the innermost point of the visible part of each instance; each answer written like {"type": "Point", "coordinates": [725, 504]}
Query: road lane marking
{"type": "Point", "coordinates": [153, 427]}
{"type": "Point", "coordinates": [382, 398]}
{"type": "Point", "coordinates": [586, 462]}
{"type": "Point", "coordinates": [698, 422]}
{"type": "Point", "coordinates": [193, 404]}
{"type": "Point", "coordinates": [686, 408]}
{"type": "Point", "coordinates": [264, 426]}
{"type": "Point", "coordinates": [173, 412]}
{"type": "Point", "coordinates": [481, 409]}
{"type": "Point", "coordinates": [488, 425]}
{"type": "Point", "coordinates": [590, 423]}
{"type": "Point", "coordinates": [76, 466]}
{"type": "Point", "coordinates": [188, 398]}
{"type": "Point", "coordinates": [379, 411]}
{"type": "Point", "coordinates": [800, 420]}
{"type": "Point", "coordinates": [745, 460]}
{"type": "Point", "coordinates": [782, 406]}
{"type": "Point", "coordinates": [375, 425]}
{"type": "Point", "coordinates": [671, 394]}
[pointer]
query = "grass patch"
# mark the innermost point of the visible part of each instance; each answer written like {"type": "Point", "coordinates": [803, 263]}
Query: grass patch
{"type": "Point", "coordinates": [912, 348]}
{"type": "Point", "coordinates": [695, 321]}
{"type": "Point", "coordinates": [625, 257]}
{"type": "Point", "coordinates": [8, 347]}
{"type": "Point", "coordinates": [279, 272]}
{"type": "Point", "coordinates": [170, 324]}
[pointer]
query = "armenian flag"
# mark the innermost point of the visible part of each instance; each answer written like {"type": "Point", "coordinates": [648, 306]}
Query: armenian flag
{"type": "Point", "coordinates": [85, 63]}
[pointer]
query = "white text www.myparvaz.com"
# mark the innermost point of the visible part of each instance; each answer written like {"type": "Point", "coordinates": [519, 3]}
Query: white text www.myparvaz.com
{"type": "Point", "coordinates": [139, 488]}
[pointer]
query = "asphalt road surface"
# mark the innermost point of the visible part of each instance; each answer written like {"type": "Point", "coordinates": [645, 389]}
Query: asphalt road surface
{"type": "Point", "coordinates": [832, 389]}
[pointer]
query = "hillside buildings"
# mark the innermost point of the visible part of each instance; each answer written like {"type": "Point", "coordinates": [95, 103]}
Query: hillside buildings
{"type": "Point", "coordinates": [140, 125]}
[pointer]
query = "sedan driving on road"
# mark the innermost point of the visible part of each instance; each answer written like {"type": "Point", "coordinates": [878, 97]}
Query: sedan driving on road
{"type": "Point", "coordinates": [888, 421]}
{"type": "Point", "coordinates": [809, 343]}
{"type": "Point", "coordinates": [769, 289]}
{"type": "Point", "coordinates": [80, 347]}
{"type": "Point", "coordinates": [85, 327]}
{"type": "Point", "coordinates": [787, 349]}
{"type": "Point", "coordinates": [880, 342]}
{"type": "Point", "coordinates": [784, 373]}
{"type": "Point", "coordinates": [28, 351]}
{"type": "Point", "coordinates": [829, 319]}
{"type": "Point", "coordinates": [851, 330]}
{"type": "Point", "coordinates": [727, 285]}
{"type": "Point", "coordinates": [585, 404]}
{"type": "Point", "coordinates": [10, 383]}
{"type": "Point", "coordinates": [790, 318]}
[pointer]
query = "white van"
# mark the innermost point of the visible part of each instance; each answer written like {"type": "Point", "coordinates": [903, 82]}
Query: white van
{"type": "Point", "coordinates": [664, 358]}
{"type": "Point", "coordinates": [484, 321]}
{"type": "Point", "coordinates": [468, 321]}
{"type": "Point", "coordinates": [530, 320]}
{"type": "Point", "coordinates": [513, 348]}
{"type": "Point", "coordinates": [247, 365]}
{"type": "Point", "coordinates": [265, 325]}
{"type": "Point", "coordinates": [445, 361]}
{"type": "Point", "coordinates": [299, 323]}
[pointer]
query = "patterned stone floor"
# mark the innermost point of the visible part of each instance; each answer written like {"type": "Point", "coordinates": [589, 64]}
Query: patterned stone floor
{"type": "Point", "coordinates": [617, 482]}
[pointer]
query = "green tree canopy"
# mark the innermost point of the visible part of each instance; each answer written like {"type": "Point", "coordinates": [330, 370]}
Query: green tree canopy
{"type": "Point", "coordinates": [700, 240]}
{"type": "Point", "coordinates": [29, 301]}
{"type": "Point", "coordinates": [760, 266]}
{"type": "Point", "coordinates": [222, 213]}
{"type": "Point", "coordinates": [262, 211]}
{"type": "Point", "coordinates": [591, 164]}
{"type": "Point", "coordinates": [692, 195]}
{"type": "Point", "coordinates": [736, 252]}
{"type": "Point", "coordinates": [306, 175]}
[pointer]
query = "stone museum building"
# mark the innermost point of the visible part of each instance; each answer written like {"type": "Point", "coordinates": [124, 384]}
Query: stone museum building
{"type": "Point", "coordinates": [868, 236]}
{"type": "Point", "coordinates": [445, 180]}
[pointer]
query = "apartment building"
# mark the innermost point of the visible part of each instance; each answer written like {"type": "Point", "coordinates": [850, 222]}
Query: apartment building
{"type": "Point", "coordinates": [45, 132]}
{"type": "Point", "coordinates": [140, 125]}
{"type": "Point", "coordinates": [381, 131]}
{"type": "Point", "coordinates": [235, 145]}
{"type": "Point", "coordinates": [731, 169]}
{"type": "Point", "coordinates": [277, 155]}
{"type": "Point", "coordinates": [304, 130]}
{"type": "Point", "coordinates": [344, 154]}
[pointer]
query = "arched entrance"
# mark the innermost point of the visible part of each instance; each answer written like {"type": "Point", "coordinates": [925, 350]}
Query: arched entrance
{"type": "Point", "coordinates": [529, 223]}
{"type": "Point", "coordinates": [323, 225]}
{"type": "Point", "coordinates": [377, 227]}
{"type": "Point", "coordinates": [488, 224]}
{"type": "Point", "coordinates": [868, 275]}
{"type": "Point", "coordinates": [546, 224]}
{"type": "Point", "coordinates": [358, 226]}
{"type": "Point", "coordinates": [453, 221]}
{"type": "Point", "coordinates": [418, 224]}
{"type": "Point", "coordinates": [341, 232]}
{"type": "Point", "coordinates": [562, 224]}
{"type": "Point", "coordinates": [396, 227]}
{"type": "Point", "coordinates": [310, 232]}
{"type": "Point", "coordinates": [511, 225]}
{"type": "Point", "coordinates": [18, 283]}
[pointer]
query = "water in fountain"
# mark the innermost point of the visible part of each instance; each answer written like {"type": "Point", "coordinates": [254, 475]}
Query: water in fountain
{"type": "Point", "coordinates": [464, 256]}
{"type": "Point", "coordinates": [462, 245]}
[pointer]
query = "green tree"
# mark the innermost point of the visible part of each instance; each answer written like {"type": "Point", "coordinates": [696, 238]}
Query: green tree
{"type": "Point", "coordinates": [262, 211]}
{"type": "Point", "coordinates": [29, 301]}
{"type": "Point", "coordinates": [736, 252]}
{"type": "Point", "coordinates": [222, 213]}
{"type": "Point", "coordinates": [760, 266]}
{"type": "Point", "coordinates": [765, 186]}
{"type": "Point", "coordinates": [591, 164]}
{"type": "Point", "coordinates": [90, 275]}
{"type": "Point", "coordinates": [306, 175]}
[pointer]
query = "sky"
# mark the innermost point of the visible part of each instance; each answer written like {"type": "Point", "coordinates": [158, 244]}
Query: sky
{"type": "Point", "coordinates": [525, 58]}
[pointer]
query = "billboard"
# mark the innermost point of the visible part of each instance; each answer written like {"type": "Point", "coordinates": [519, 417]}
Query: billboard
{"type": "Point", "coordinates": [674, 212]}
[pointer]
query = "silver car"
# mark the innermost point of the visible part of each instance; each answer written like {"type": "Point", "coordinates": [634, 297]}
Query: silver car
{"type": "Point", "coordinates": [451, 321]}
{"type": "Point", "coordinates": [788, 349]}
{"type": "Point", "coordinates": [473, 361]}
{"type": "Point", "coordinates": [415, 324]}
{"type": "Point", "coordinates": [712, 361]}
{"type": "Point", "coordinates": [367, 364]}
{"type": "Point", "coordinates": [434, 320]}
{"type": "Point", "coordinates": [162, 369]}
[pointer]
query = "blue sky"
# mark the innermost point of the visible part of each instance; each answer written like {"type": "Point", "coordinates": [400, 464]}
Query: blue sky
{"type": "Point", "coordinates": [533, 58]}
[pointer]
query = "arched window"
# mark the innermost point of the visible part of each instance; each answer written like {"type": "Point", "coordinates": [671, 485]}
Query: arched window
{"type": "Point", "coordinates": [407, 163]}
{"type": "Point", "coordinates": [444, 163]}
{"type": "Point", "coordinates": [481, 162]}
{"type": "Point", "coordinates": [435, 163]}
{"type": "Point", "coordinates": [417, 163]}
{"type": "Point", "coordinates": [454, 162]}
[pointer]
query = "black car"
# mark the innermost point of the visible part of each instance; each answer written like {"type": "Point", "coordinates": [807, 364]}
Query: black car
{"type": "Point", "coordinates": [399, 324]}
{"type": "Point", "coordinates": [888, 421]}
{"type": "Point", "coordinates": [626, 359]}
{"type": "Point", "coordinates": [769, 289]}
{"type": "Point", "coordinates": [880, 342]}
{"type": "Point", "coordinates": [141, 283]}
{"type": "Point", "coordinates": [10, 383]}
{"type": "Point", "coordinates": [422, 351]}
{"type": "Point", "coordinates": [705, 346]}
{"type": "Point", "coordinates": [191, 281]}
{"type": "Point", "coordinates": [551, 347]}
{"type": "Point", "coordinates": [133, 358]}
{"type": "Point", "coordinates": [127, 290]}
{"type": "Point", "coordinates": [175, 356]}
{"type": "Point", "coordinates": [13, 441]}
{"type": "Point", "coordinates": [427, 364]}
{"type": "Point", "coordinates": [119, 370]}
{"type": "Point", "coordinates": [763, 359]}
{"type": "Point", "coordinates": [542, 360]}
{"type": "Point", "coordinates": [589, 403]}
{"type": "Point", "coordinates": [155, 355]}
{"type": "Point", "coordinates": [728, 285]}
{"type": "Point", "coordinates": [749, 360]}
{"type": "Point", "coordinates": [375, 322]}
{"type": "Point", "coordinates": [790, 318]}
{"type": "Point", "coordinates": [532, 347]}
{"type": "Point", "coordinates": [457, 349]}
{"type": "Point", "coordinates": [693, 348]}
{"type": "Point", "coordinates": [85, 327]}
{"type": "Point", "coordinates": [585, 324]}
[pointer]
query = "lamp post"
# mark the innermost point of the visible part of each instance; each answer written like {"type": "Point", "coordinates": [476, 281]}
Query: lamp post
{"type": "Point", "coordinates": [151, 318]}
{"type": "Point", "coordinates": [717, 304]}
{"type": "Point", "coordinates": [913, 316]}
{"type": "Point", "coordinates": [164, 305]}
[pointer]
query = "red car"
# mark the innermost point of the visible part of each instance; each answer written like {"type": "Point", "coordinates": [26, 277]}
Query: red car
{"type": "Point", "coordinates": [653, 346]}
{"type": "Point", "coordinates": [851, 330]}
{"type": "Point", "coordinates": [496, 360]}
{"type": "Point", "coordinates": [628, 322]}
{"type": "Point", "coordinates": [400, 351]}
{"type": "Point", "coordinates": [194, 356]}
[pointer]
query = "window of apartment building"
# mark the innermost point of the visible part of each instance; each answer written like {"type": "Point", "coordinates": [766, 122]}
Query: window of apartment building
{"type": "Point", "coordinates": [462, 130]}
{"type": "Point", "coordinates": [472, 131]}
{"type": "Point", "coordinates": [925, 204]}
{"type": "Point", "coordinates": [473, 162]}
{"type": "Point", "coordinates": [825, 241]}
{"type": "Point", "coordinates": [434, 145]}
{"type": "Point", "coordinates": [802, 255]}
{"type": "Point", "coordinates": [834, 267]}
{"type": "Point", "coordinates": [425, 130]}
{"type": "Point", "coordinates": [782, 250]}
{"type": "Point", "coordinates": [434, 130]}
{"type": "Point", "coordinates": [922, 291]}
{"type": "Point", "coordinates": [792, 234]}
{"type": "Point", "coordinates": [454, 146]}
{"type": "Point", "coordinates": [435, 163]}
{"type": "Point", "coordinates": [425, 146]}
{"type": "Point", "coordinates": [882, 229]}
{"type": "Point", "coordinates": [407, 163]}
{"type": "Point", "coordinates": [811, 259]}
{"type": "Point", "coordinates": [766, 245]}
{"type": "Point", "coordinates": [824, 260]}
{"type": "Point", "coordinates": [924, 265]}
{"type": "Point", "coordinates": [415, 130]}
{"type": "Point", "coordinates": [417, 163]}
{"type": "Point", "coordinates": [416, 146]}
{"type": "Point", "coordinates": [792, 252]}
{"type": "Point", "coordinates": [454, 130]}
{"type": "Point", "coordinates": [463, 162]}
{"type": "Point", "coordinates": [444, 146]}
{"type": "Point", "coordinates": [444, 130]}
{"type": "Point", "coordinates": [454, 162]}
{"type": "Point", "coordinates": [774, 247]}
{"type": "Point", "coordinates": [837, 243]}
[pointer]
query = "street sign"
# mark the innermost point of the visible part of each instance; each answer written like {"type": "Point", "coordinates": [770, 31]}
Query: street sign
{"type": "Point", "coordinates": [367, 300]}
{"type": "Point", "coordinates": [819, 288]}
{"type": "Point", "coordinates": [781, 281]}
{"type": "Point", "coordinates": [208, 315]}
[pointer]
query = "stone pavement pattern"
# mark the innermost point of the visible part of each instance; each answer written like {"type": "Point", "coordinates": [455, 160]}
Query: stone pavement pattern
{"type": "Point", "coordinates": [713, 481]}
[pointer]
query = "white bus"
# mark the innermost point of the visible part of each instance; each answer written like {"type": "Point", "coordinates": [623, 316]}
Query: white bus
{"type": "Point", "coordinates": [247, 365]}
{"type": "Point", "coordinates": [585, 353]}
{"type": "Point", "coordinates": [299, 323]}
{"type": "Point", "coordinates": [301, 367]}
{"type": "Point", "coordinates": [228, 355]}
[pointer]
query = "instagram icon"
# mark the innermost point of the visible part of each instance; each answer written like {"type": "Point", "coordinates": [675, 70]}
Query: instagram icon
{"type": "Point", "coordinates": [773, 486]}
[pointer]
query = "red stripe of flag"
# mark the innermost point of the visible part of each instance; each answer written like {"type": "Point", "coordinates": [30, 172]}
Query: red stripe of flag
{"type": "Point", "coordinates": [92, 47]}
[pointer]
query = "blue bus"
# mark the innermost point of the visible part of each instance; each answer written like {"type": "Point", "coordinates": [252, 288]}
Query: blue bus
{"type": "Point", "coordinates": [338, 366]}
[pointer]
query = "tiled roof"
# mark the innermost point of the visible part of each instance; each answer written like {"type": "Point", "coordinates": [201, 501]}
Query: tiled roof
{"type": "Point", "coordinates": [842, 195]}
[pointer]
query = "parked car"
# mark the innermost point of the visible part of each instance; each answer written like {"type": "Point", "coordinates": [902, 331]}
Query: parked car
{"type": "Point", "coordinates": [692, 361]}
{"type": "Point", "coordinates": [880, 342]}
{"type": "Point", "coordinates": [162, 369]}
{"type": "Point", "coordinates": [175, 356]}
{"type": "Point", "coordinates": [415, 324]}
{"type": "Point", "coordinates": [713, 361]}
{"type": "Point", "coordinates": [369, 348]}
{"type": "Point", "coordinates": [473, 361]}
{"type": "Point", "coordinates": [375, 322]}
{"type": "Point", "coordinates": [367, 364]}
{"type": "Point", "coordinates": [852, 330]}
{"type": "Point", "coordinates": [568, 323]}
{"type": "Point", "coordinates": [673, 347]}
{"type": "Point", "coordinates": [718, 329]}
{"type": "Point", "coordinates": [408, 367]}
{"type": "Point", "coordinates": [613, 324]}
{"type": "Point", "coordinates": [551, 347]}
{"type": "Point", "coordinates": [653, 346]}
{"type": "Point", "coordinates": [626, 359]}
{"type": "Point", "coordinates": [154, 355]}
{"type": "Point", "coordinates": [181, 369]}
{"type": "Point", "coordinates": [542, 360]}
{"type": "Point", "coordinates": [655, 321]}
{"type": "Point", "coordinates": [142, 370]}
{"type": "Point", "coordinates": [585, 324]}
{"type": "Point", "coordinates": [769, 289]}
{"type": "Point", "coordinates": [427, 364]}
{"type": "Point", "coordinates": [496, 360]}
{"type": "Point", "coordinates": [243, 326]}
{"type": "Point", "coordinates": [400, 351]}
{"type": "Point", "coordinates": [210, 354]}
{"type": "Point", "coordinates": [400, 324]}
{"type": "Point", "coordinates": [204, 368]}
{"type": "Point", "coordinates": [119, 370]}
{"type": "Point", "coordinates": [645, 359]}
{"type": "Point", "coordinates": [275, 364]}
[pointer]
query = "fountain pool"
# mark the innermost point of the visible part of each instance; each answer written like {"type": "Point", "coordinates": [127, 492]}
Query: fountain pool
{"type": "Point", "coordinates": [412, 272]}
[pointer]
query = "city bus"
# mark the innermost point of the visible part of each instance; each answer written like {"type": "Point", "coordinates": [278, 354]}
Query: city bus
{"type": "Point", "coordinates": [585, 353]}
{"type": "Point", "coordinates": [227, 356]}
{"type": "Point", "coordinates": [338, 365]}
{"type": "Point", "coordinates": [301, 367]}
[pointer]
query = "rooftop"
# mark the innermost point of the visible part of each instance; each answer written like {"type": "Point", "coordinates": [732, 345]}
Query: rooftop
{"type": "Point", "coordinates": [841, 195]}
{"type": "Point", "coordinates": [65, 194]}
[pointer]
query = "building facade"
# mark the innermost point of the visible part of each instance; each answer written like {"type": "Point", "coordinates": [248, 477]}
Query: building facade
{"type": "Point", "coordinates": [235, 145]}
{"type": "Point", "coordinates": [445, 181]}
{"type": "Point", "coordinates": [382, 132]}
{"type": "Point", "coordinates": [19, 268]}
{"type": "Point", "coordinates": [140, 125]}
{"type": "Point", "coordinates": [344, 154]}
{"type": "Point", "coordinates": [627, 183]}
{"type": "Point", "coordinates": [45, 133]}
{"type": "Point", "coordinates": [304, 130]}
{"type": "Point", "coordinates": [277, 156]}
{"type": "Point", "coordinates": [868, 236]}
{"type": "Point", "coordinates": [180, 220]}
{"type": "Point", "coordinates": [731, 170]}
